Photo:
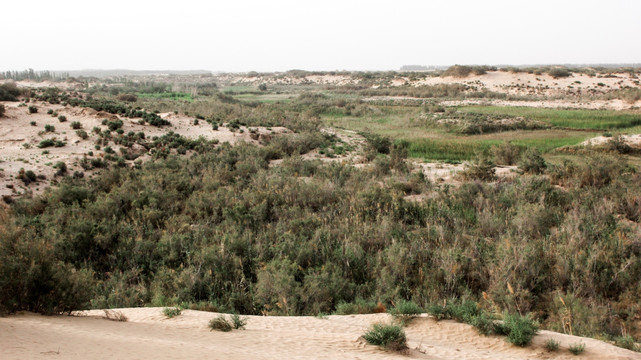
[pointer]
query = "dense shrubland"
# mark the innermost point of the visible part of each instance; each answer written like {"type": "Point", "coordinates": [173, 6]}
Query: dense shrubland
{"type": "Point", "coordinates": [223, 229]}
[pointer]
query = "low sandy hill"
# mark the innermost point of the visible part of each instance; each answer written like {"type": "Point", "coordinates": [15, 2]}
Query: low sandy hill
{"type": "Point", "coordinates": [16, 130]}
{"type": "Point", "coordinates": [149, 335]}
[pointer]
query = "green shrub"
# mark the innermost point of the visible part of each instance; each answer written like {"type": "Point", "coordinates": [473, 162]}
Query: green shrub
{"type": "Point", "coordinates": [520, 329]}
{"type": "Point", "coordinates": [481, 168]}
{"type": "Point", "coordinates": [627, 342]}
{"type": "Point", "coordinates": [220, 324]}
{"type": "Point", "coordinates": [62, 118]}
{"type": "Point", "coordinates": [32, 109]}
{"type": "Point", "coordinates": [559, 73]}
{"type": "Point", "coordinates": [46, 143]}
{"type": "Point", "coordinates": [9, 92]}
{"type": "Point", "coordinates": [171, 312]}
{"type": "Point", "coordinates": [238, 322]}
{"type": "Point", "coordinates": [76, 125]}
{"type": "Point", "coordinates": [50, 128]}
{"type": "Point", "coordinates": [32, 123]}
{"type": "Point", "coordinates": [62, 168]}
{"type": "Point", "coordinates": [359, 306]}
{"type": "Point", "coordinates": [617, 143]}
{"type": "Point", "coordinates": [505, 153]}
{"type": "Point", "coordinates": [577, 348]}
{"type": "Point", "coordinates": [391, 337]}
{"type": "Point", "coordinates": [532, 162]}
{"type": "Point", "coordinates": [551, 345]}
{"type": "Point", "coordinates": [439, 312]}
{"type": "Point", "coordinates": [2, 110]}
{"type": "Point", "coordinates": [406, 310]}
{"type": "Point", "coordinates": [82, 134]}
{"type": "Point", "coordinates": [484, 322]}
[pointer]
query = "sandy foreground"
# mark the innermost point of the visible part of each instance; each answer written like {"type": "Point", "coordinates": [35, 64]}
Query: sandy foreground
{"type": "Point", "coordinates": [149, 335]}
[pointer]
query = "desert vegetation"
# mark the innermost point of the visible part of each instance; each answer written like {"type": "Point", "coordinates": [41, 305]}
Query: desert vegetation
{"type": "Point", "coordinates": [334, 214]}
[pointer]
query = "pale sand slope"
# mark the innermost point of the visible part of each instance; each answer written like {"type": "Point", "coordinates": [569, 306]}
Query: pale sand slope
{"type": "Point", "coordinates": [149, 335]}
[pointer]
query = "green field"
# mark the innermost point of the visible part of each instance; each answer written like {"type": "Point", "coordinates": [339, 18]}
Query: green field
{"type": "Point", "coordinates": [167, 95]}
{"type": "Point", "coordinates": [566, 118]}
{"type": "Point", "coordinates": [432, 143]}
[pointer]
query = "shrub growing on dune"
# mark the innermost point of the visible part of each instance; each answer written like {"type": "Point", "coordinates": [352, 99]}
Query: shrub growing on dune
{"type": "Point", "coordinates": [406, 310]}
{"type": "Point", "coordinates": [220, 324]}
{"type": "Point", "coordinates": [171, 312]}
{"type": "Point", "coordinates": [577, 349]}
{"type": "Point", "coordinates": [519, 329]}
{"type": "Point", "coordinates": [391, 337]}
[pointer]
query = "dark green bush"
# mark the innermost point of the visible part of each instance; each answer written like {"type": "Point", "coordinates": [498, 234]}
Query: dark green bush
{"type": "Point", "coordinates": [220, 324]}
{"type": "Point", "coordinates": [9, 92]}
{"type": "Point", "coordinates": [171, 312]}
{"type": "Point", "coordinates": [520, 329]}
{"type": "Point", "coordinates": [32, 109]}
{"type": "Point", "coordinates": [391, 337]}
{"type": "Point", "coordinates": [532, 162]}
{"type": "Point", "coordinates": [406, 310]}
{"type": "Point", "coordinates": [76, 125]}
{"type": "Point", "coordinates": [62, 118]}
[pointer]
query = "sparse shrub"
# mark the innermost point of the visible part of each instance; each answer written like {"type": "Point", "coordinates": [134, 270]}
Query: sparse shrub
{"type": "Point", "coordinates": [505, 153]}
{"type": "Point", "coordinates": [238, 322]}
{"type": "Point", "coordinates": [82, 134]}
{"type": "Point", "coordinates": [627, 342]}
{"type": "Point", "coordinates": [50, 128]}
{"type": "Point", "coordinates": [438, 311]}
{"type": "Point", "coordinates": [406, 310]}
{"type": "Point", "coordinates": [220, 324]}
{"type": "Point", "coordinates": [359, 306]}
{"type": "Point", "coordinates": [62, 118]}
{"type": "Point", "coordinates": [46, 143]}
{"type": "Point", "coordinates": [128, 97]}
{"type": "Point", "coordinates": [9, 92]}
{"type": "Point", "coordinates": [171, 312]}
{"type": "Point", "coordinates": [50, 111]}
{"type": "Point", "coordinates": [520, 329]}
{"type": "Point", "coordinates": [551, 345]}
{"type": "Point", "coordinates": [391, 337]}
{"type": "Point", "coordinates": [32, 123]}
{"type": "Point", "coordinates": [380, 143]}
{"type": "Point", "coordinates": [559, 72]}
{"type": "Point", "coordinates": [617, 143]}
{"type": "Point", "coordinates": [76, 125]}
{"type": "Point", "coordinates": [62, 168]}
{"type": "Point", "coordinates": [481, 168]}
{"type": "Point", "coordinates": [577, 349]}
{"type": "Point", "coordinates": [32, 109]}
{"type": "Point", "coordinates": [532, 162]}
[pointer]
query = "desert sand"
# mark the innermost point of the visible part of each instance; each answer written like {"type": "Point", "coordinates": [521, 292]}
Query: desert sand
{"type": "Point", "coordinates": [148, 334]}
{"type": "Point", "coordinates": [16, 131]}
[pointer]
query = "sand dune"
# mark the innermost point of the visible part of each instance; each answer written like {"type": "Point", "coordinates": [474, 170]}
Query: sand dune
{"type": "Point", "coordinates": [149, 335]}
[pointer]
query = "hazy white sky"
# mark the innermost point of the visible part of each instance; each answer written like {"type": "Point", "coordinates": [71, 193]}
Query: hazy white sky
{"type": "Point", "coordinates": [244, 35]}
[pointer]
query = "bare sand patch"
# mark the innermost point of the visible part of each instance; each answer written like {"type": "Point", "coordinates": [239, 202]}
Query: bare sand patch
{"type": "Point", "coordinates": [148, 334]}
